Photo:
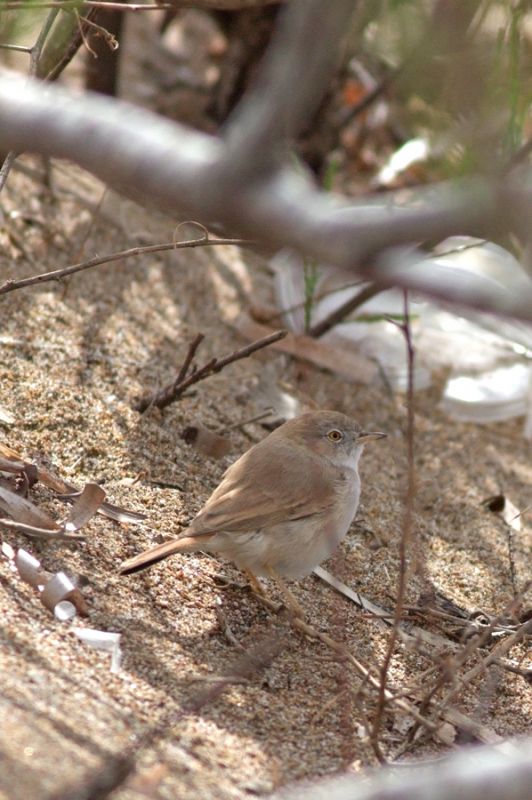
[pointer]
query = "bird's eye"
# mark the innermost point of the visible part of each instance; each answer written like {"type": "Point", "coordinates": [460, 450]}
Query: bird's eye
{"type": "Point", "coordinates": [335, 436]}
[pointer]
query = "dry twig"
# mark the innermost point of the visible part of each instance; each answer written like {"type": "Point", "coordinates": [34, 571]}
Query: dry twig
{"type": "Point", "coordinates": [58, 274]}
{"type": "Point", "coordinates": [184, 380]}
{"type": "Point", "coordinates": [406, 533]}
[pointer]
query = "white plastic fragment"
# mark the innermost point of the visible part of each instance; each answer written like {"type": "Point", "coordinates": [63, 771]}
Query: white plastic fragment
{"type": "Point", "coordinates": [490, 357]}
{"type": "Point", "coordinates": [493, 396]}
{"type": "Point", "coordinates": [28, 568]}
{"type": "Point", "coordinates": [56, 590]}
{"type": "Point", "coordinates": [65, 610]}
{"type": "Point", "coordinates": [102, 640]}
{"type": "Point", "coordinates": [415, 151]}
{"type": "Point", "coordinates": [8, 551]}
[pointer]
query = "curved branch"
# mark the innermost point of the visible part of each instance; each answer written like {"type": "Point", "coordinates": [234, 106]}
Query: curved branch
{"type": "Point", "coordinates": [293, 78]}
{"type": "Point", "coordinates": [160, 162]}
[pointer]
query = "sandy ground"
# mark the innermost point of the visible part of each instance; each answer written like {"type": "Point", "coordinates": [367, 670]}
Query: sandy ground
{"type": "Point", "coordinates": [74, 356]}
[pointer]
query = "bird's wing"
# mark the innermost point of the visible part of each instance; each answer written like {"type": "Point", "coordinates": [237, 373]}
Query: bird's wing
{"type": "Point", "coordinates": [252, 495]}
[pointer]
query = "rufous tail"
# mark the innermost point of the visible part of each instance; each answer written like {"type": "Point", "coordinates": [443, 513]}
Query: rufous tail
{"type": "Point", "coordinates": [188, 544]}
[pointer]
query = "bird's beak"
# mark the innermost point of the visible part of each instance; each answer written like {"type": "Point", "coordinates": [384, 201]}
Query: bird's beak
{"type": "Point", "coordinates": [370, 436]}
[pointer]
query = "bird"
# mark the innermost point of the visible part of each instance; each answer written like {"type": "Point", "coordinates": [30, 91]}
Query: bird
{"type": "Point", "coordinates": [283, 507]}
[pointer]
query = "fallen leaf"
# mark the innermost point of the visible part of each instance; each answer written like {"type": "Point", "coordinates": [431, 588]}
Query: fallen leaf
{"type": "Point", "coordinates": [53, 589]}
{"type": "Point", "coordinates": [24, 512]}
{"type": "Point", "coordinates": [352, 366]}
{"type": "Point", "coordinates": [502, 506]}
{"type": "Point", "coordinates": [85, 507]}
{"type": "Point", "coordinates": [205, 441]}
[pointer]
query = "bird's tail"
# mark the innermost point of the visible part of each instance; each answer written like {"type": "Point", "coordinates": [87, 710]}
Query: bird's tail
{"type": "Point", "coordinates": [186, 544]}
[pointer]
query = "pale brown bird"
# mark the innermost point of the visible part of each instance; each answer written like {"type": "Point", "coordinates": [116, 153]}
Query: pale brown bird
{"type": "Point", "coordinates": [283, 506]}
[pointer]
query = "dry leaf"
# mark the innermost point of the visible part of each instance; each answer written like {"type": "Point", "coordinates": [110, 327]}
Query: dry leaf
{"type": "Point", "coordinates": [26, 513]}
{"type": "Point", "coordinates": [85, 507]}
{"type": "Point", "coordinates": [64, 490]}
{"type": "Point", "coordinates": [205, 441]}
{"type": "Point", "coordinates": [352, 366]}
{"type": "Point", "coordinates": [503, 506]}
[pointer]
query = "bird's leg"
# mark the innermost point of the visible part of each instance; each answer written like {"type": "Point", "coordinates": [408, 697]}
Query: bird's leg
{"type": "Point", "coordinates": [289, 598]}
{"type": "Point", "coordinates": [254, 582]}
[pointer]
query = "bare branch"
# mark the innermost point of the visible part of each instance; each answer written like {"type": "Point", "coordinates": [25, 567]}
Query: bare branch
{"type": "Point", "coordinates": [162, 163]}
{"type": "Point", "coordinates": [173, 391]}
{"type": "Point", "coordinates": [177, 168]}
{"type": "Point", "coordinates": [342, 311]}
{"type": "Point", "coordinates": [274, 110]}
{"type": "Point", "coordinates": [58, 274]}
{"type": "Point", "coordinates": [195, 343]}
{"type": "Point", "coordinates": [22, 5]}
{"type": "Point", "coordinates": [406, 530]}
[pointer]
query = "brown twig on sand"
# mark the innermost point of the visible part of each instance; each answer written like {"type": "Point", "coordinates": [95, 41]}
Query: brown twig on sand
{"type": "Point", "coordinates": [193, 346]}
{"type": "Point", "coordinates": [175, 390]}
{"type": "Point", "coordinates": [401, 704]}
{"type": "Point", "coordinates": [58, 274]}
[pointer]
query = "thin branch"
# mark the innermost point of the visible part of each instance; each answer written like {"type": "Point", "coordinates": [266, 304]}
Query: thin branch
{"type": "Point", "coordinates": [368, 99]}
{"type": "Point", "coordinates": [406, 533]}
{"type": "Point", "coordinates": [173, 391]}
{"type": "Point", "coordinates": [111, 40]}
{"type": "Point", "coordinates": [58, 274]}
{"type": "Point", "coordinates": [226, 5]}
{"type": "Point", "coordinates": [36, 50]}
{"type": "Point", "coordinates": [401, 703]}
{"type": "Point", "coordinates": [19, 48]}
{"type": "Point", "coordinates": [195, 343]}
{"type": "Point", "coordinates": [342, 311]}
{"type": "Point", "coordinates": [9, 160]}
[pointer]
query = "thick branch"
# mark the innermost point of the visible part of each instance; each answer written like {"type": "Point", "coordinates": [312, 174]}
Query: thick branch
{"type": "Point", "coordinates": [292, 81]}
{"type": "Point", "coordinates": [157, 161]}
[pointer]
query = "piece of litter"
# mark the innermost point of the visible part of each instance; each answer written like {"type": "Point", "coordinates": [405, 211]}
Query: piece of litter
{"type": "Point", "coordinates": [493, 396]}
{"type": "Point", "coordinates": [8, 551]}
{"type": "Point", "coordinates": [410, 154]}
{"type": "Point", "coordinates": [53, 589]}
{"type": "Point", "coordinates": [64, 611]}
{"type": "Point", "coordinates": [28, 568]}
{"type": "Point", "coordinates": [503, 507]}
{"type": "Point", "coordinates": [102, 640]}
{"type": "Point", "coordinates": [6, 416]}
{"type": "Point", "coordinates": [25, 513]}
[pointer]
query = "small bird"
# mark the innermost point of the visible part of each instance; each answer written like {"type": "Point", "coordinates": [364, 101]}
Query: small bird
{"type": "Point", "coordinates": [283, 506]}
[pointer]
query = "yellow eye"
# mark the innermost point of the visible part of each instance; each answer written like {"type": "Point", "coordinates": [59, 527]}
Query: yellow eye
{"type": "Point", "coordinates": [335, 436]}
